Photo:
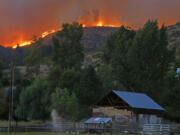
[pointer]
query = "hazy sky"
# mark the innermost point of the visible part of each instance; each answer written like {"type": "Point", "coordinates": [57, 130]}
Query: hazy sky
{"type": "Point", "coordinates": [21, 19]}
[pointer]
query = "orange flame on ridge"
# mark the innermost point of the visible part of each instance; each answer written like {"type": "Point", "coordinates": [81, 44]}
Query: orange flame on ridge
{"type": "Point", "coordinates": [26, 43]}
{"type": "Point", "coordinates": [100, 23]}
{"type": "Point", "coordinates": [21, 44]}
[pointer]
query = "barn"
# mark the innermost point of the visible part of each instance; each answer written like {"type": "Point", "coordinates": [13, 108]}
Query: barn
{"type": "Point", "coordinates": [127, 107]}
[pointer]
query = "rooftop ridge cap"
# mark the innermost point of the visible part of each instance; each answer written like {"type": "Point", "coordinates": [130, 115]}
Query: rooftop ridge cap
{"type": "Point", "coordinates": [131, 92]}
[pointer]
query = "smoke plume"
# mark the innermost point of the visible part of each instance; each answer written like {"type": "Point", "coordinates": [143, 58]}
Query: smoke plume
{"type": "Point", "coordinates": [20, 20]}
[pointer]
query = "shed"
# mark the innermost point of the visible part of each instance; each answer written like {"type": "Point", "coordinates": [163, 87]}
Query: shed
{"type": "Point", "coordinates": [177, 72]}
{"type": "Point", "coordinates": [122, 104]}
{"type": "Point", "coordinates": [98, 123]}
{"type": "Point", "coordinates": [98, 120]}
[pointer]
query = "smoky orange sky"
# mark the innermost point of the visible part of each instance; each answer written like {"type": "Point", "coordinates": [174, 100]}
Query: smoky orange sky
{"type": "Point", "coordinates": [20, 20]}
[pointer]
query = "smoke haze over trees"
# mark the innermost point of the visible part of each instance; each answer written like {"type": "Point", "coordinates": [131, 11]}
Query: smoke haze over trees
{"type": "Point", "coordinates": [22, 19]}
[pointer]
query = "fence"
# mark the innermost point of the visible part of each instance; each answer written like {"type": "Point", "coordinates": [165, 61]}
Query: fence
{"type": "Point", "coordinates": [76, 128]}
{"type": "Point", "coordinates": [156, 129]}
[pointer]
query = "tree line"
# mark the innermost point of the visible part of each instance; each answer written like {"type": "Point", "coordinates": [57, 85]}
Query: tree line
{"type": "Point", "coordinates": [137, 61]}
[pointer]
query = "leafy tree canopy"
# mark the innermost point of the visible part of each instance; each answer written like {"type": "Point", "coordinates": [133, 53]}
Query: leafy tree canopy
{"type": "Point", "coordinates": [35, 101]}
{"type": "Point", "coordinates": [66, 104]}
{"type": "Point", "coordinates": [67, 49]}
{"type": "Point", "coordinates": [139, 60]}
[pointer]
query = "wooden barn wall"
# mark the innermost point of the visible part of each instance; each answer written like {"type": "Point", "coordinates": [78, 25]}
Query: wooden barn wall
{"type": "Point", "coordinates": [110, 111]}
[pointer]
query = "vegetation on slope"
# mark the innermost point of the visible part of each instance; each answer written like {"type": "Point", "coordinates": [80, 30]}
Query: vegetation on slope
{"type": "Point", "coordinates": [138, 61]}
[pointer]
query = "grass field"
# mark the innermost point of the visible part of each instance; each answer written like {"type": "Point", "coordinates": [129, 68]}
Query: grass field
{"type": "Point", "coordinates": [49, 134]}
{"type": "Point", "coordinates": [29, 134]}
{"type": "Point", "coordinates": [32, 134]}
{"type": "Point", "coordinates": [22, 123]}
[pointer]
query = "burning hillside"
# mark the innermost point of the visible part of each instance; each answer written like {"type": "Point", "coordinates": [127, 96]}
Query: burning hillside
{"type": "Point", "coordinates": [22, 19]}
{"type": "Point", "coordinates": [92, 39]}
{"type": "Point", "coordinates": [21, 42]}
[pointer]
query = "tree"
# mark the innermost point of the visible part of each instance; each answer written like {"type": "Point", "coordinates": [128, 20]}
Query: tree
{"type": "Point", "coordinates": [33, 59]}
{"type": "Point", "coordinates": [84, 86]}
{"type": "Point", "coordinates": [115, 57]}
{"type": "Point", "coordinates": [67, 52]}
{"type": "Point", "coordinates": [20, 83]}
{"type": "Point", "coordinates": [67, 49]}
{"type": "Point", "coordinates": [106, 76]}
{"type": "Point", "coordinates": [170, 96]}
{"type": "Point", "coordinates": [89, 90]}
{"type": "Point", "coordinates": [66, 104]}
{"type": "Point", "coordinates": [118, 44]}
{"type": "Point", "coordinates": [140, 60]}
{"type": "Point", "coordinates": [1, 69]}
{"type": "Point", "coordinates": [70, 79]}
{"type": "Point", "coordinates": [150, 58]}
{"type": "Point", "coordinates": [35, 101]}
{"type": "Point", "coordinates": [171, 101]}
{"type": "Point", "coordinates": [3, 105]}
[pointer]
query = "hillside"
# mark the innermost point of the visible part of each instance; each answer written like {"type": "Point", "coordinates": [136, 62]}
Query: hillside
{"type": "Point", "coordinates": [174, 35]}
{"type": "Point", "coordinates": [92, 39]}
{"type": "Point", "coordinates": [9, 54]}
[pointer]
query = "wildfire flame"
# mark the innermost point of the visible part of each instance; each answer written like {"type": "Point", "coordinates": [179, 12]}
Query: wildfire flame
{"type": "Point", "coordinates": [100, 23]}
{"type": "Point", "coordinates": [26, 43]}
{"type": "Point", "coordinates": [44, 34]}
{"type": "Point", "coordinates": [21, 44]}
{"type": "Point", "coordinates": [21, 20]}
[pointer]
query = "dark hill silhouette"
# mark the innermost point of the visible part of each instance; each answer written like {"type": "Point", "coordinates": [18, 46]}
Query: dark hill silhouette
{"type": "Point", "coordinates": [92, 39]}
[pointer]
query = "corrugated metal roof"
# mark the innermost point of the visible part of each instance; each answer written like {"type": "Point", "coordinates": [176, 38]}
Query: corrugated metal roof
{"type": "Point", "coordinates": [178, 70]}
{"type": "Point", "coordinates": [138, 100]}
{"type": "Point", "coordinates": [98, 120]}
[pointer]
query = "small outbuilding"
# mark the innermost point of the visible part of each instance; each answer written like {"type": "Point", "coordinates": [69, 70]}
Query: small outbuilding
{"type": "Point", "coordinates": [98, 123]}
{"type": "Point", "coordinates": [127, 107]}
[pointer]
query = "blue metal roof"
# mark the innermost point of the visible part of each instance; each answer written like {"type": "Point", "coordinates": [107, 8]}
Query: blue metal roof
{"type": "Point", "coordinates": [98, 120]}
{"type": "Point", "coordinates": [178, 70]}
{"type": "Point", "coordinates": [138, 100]}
